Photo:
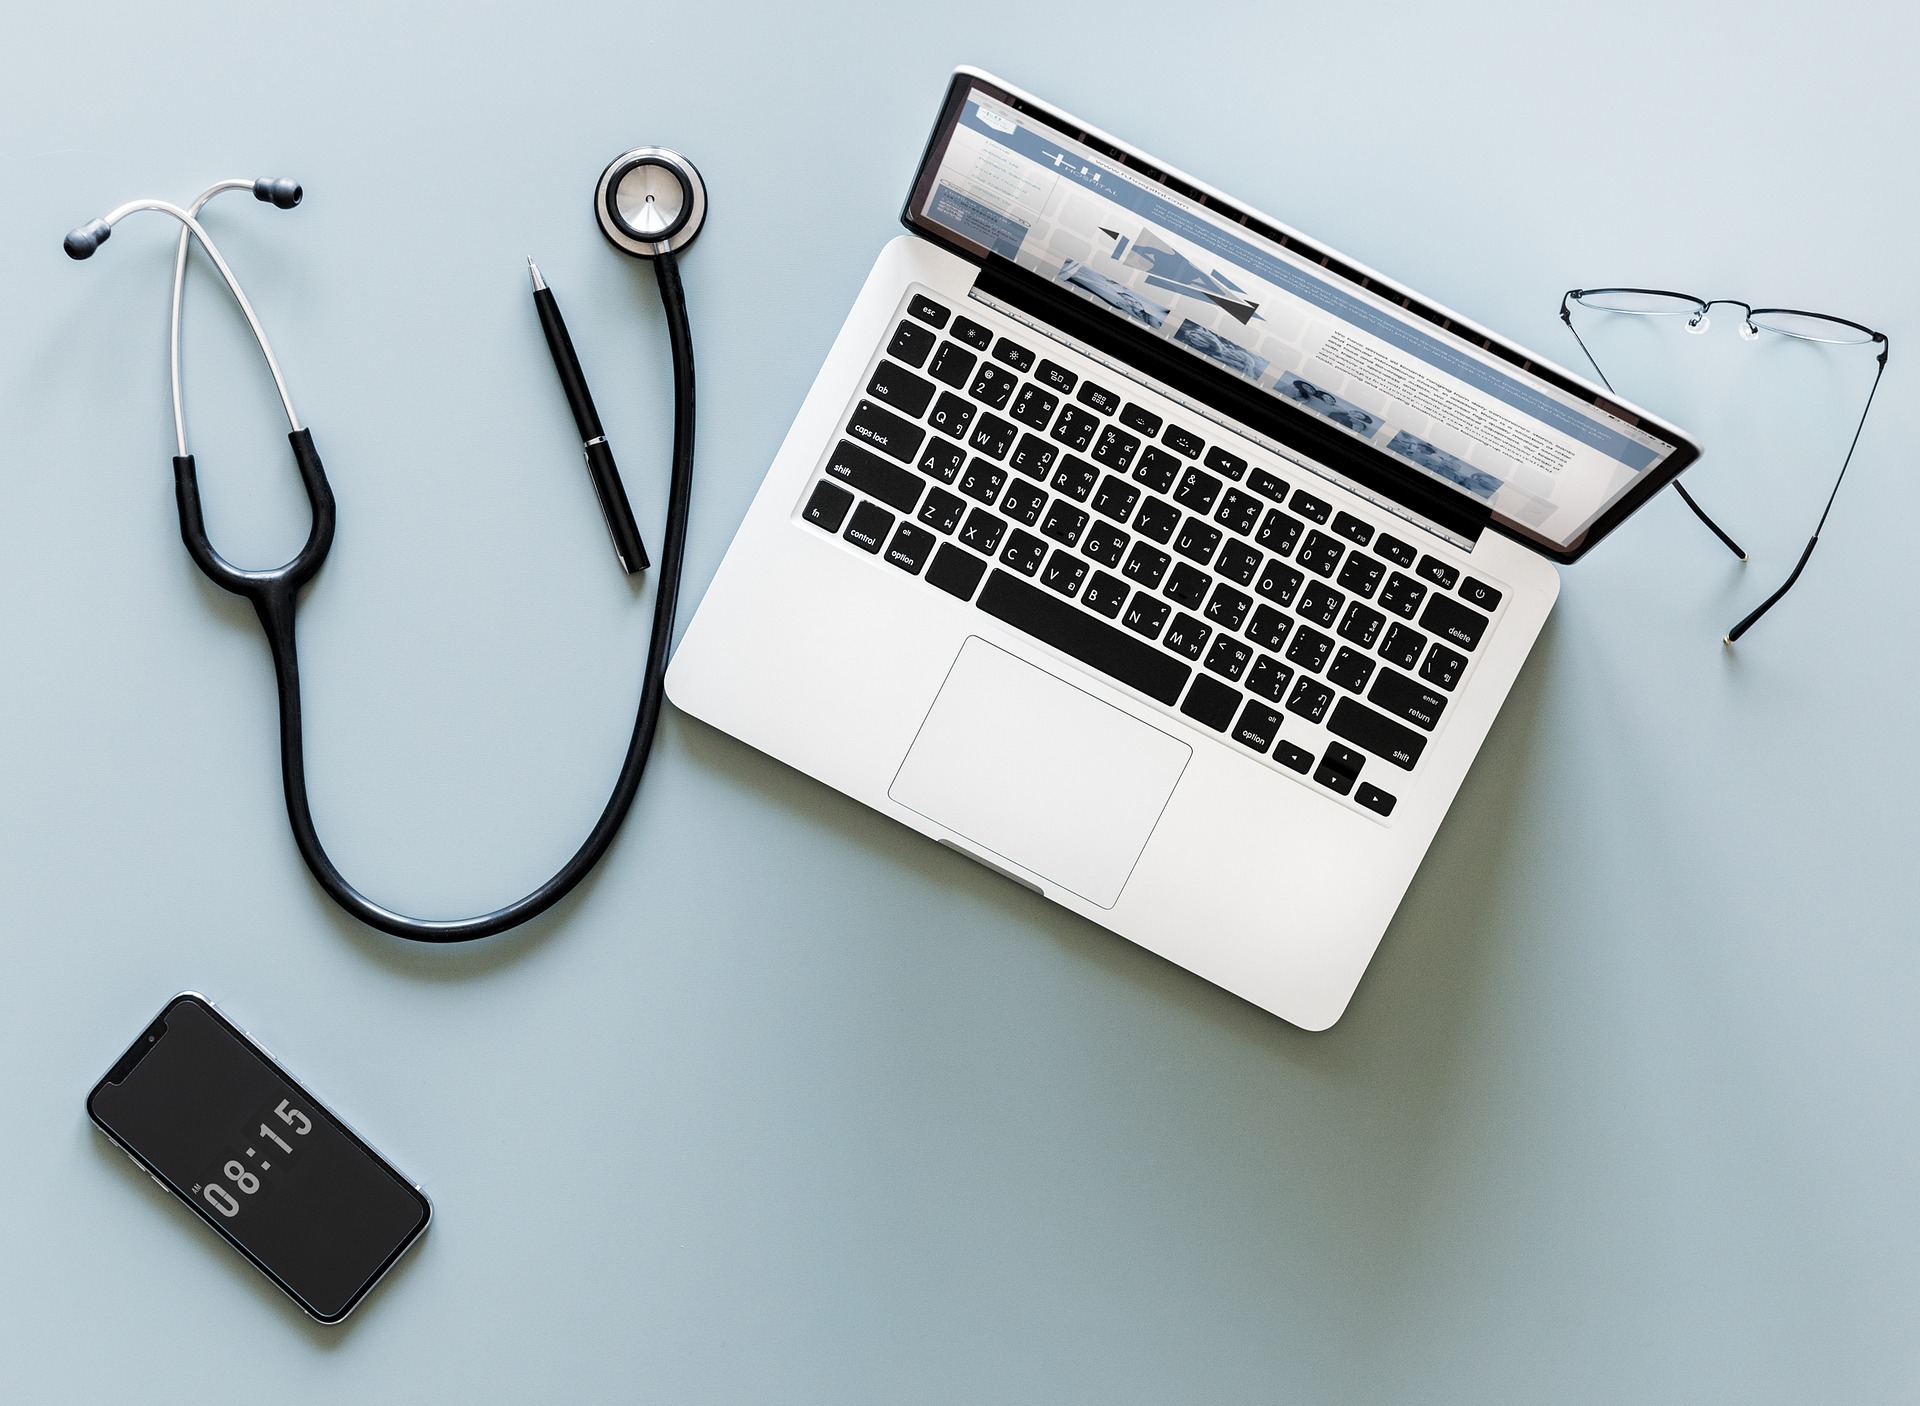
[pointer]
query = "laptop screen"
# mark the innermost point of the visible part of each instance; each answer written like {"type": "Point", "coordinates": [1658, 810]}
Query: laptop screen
{"type": "Point", "coordinates": [1548, 459]}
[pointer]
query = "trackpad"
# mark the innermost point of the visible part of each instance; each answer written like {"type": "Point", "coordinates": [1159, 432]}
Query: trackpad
{"type": "Point", "coordinates": [1040, 772]}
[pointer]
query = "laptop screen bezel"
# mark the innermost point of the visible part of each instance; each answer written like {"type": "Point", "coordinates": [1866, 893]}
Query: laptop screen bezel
{"type": "Point", "coordinates": [965, 80]}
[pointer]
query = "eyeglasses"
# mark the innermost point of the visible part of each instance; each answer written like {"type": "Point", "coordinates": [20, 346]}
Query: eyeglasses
{"type": "Point", "coordinates": [1782, 322]}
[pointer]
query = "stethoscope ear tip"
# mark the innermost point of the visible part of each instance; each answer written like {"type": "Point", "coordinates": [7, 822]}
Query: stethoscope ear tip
{"type": "Point", "coordinates": [283, 192]}
{"type": "Point", "coordinates": [81, 243]}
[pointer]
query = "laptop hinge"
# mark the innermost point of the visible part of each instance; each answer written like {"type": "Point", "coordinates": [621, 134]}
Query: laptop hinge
{"type": "Point", "coordinates": [1452, 514]}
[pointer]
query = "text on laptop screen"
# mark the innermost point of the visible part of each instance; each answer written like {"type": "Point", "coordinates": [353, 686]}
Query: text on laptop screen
{"type": "Point", "coordinates": [1536, 455]}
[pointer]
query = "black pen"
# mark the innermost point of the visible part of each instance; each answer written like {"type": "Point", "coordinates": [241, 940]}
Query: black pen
{"type": "Point", "coordinates": [600, 467]}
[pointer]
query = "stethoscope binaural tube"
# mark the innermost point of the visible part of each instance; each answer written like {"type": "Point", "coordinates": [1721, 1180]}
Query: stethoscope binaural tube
{"type": "Point", "coordinates": [274, 593]}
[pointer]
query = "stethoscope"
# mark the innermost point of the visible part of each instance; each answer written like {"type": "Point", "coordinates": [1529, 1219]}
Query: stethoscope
{"type": "Point", "coordinates": [650, 203]}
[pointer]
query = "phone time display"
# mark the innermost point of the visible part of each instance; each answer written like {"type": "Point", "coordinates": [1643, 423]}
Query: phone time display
{"type": "Point", "coordinates": [241, 1179]}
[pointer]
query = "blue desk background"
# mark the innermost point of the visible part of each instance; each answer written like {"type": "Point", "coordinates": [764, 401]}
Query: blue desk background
{"type": "Point", "coordinates": [788, 1104]}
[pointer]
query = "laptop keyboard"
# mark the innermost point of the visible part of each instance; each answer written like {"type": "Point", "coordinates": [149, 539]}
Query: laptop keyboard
{"type": "Point", "coordinates": [1229, 592]}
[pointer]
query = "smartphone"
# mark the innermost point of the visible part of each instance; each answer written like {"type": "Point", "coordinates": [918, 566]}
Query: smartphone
{"type": "Point", "coordinates": [213, 1119]}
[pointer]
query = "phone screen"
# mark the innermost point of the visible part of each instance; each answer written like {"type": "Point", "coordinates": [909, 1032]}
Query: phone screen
{"type": "Point", "coordinates": [283, 1180]}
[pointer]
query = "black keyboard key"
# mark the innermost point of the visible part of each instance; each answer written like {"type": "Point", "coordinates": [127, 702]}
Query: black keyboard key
{"type": "Point", "coordinates": [1268, 485]}
{"type": "Point", "coordinates": [1064, 523]}
{"type": "Point", "coordinates": [942, 460]}
{"type": "Point", "coordinates": [1187, 636]}
{"type": "Point", "coordinates": [1279, 532]}
{"type": "Point", "coordinates": [1146, 615]}
{"type": "Point", "coordinates": [952, 364]}
{"type": "Point", "coordinates": [1309, 649]}
{"type": "Point", "coordinates": [951, 415]}
{"type": "Point", "coordinates": [1099, 397]}
{"type": "Point", "coordinates": [1351, 670]}
{"type": "Point", "coordinates": [942, 511]}
{"type": "Point", "coordinates": [1228, 658]}
{"type": "Point", "coordinates": [1479, 593]}
{"type": "Point", "coordinates": [1013, 354]}
{"type": "Point", "coordinates": [1197, 541]}
{"type": "Point", "coordinates": [1321, 604]}
{"type": "Point", "coordinates": [1105, 544]}
{"type": "Point", "coordinates": [1305, 504]}
{"type": "Point", "coordinates": [1310, 699]}
{"type": "Point", "coordinates": [982, 481]}
{"type": "Point", "coordinates": [886, 431]}
{"type": "Point", "coordinates": [1238, 562]}
{"type": "Point", "coordinates": [1187, 585]}
{"type": "Point", "coordinates": [1394, 550]}
{"type": "Point", "coordinates": [1228, 607]}
{"type": "Point", "coordinates": [1221, 462]}
{"type": "Point", "coordinates": [1438, 572]}
{"type": "Point", "coordinates": [1454, 622]}
{"type": "Point", "coordinates": [1403, 698]}
{"type": "Point", "coordinates": [1033, 456]}
{"type": "Point", "coordinates": [1402, 646]}
{"type": "Point", "coordinates": [973, 334]}
{"type": "Point", "coordinates": [1269, 627]}
{"type": "Point", "coordinates": [1078, 635]}
{"type": "Point", "coordinates": [1197, 490]}
{"type": "Point", "coordinates": [1075, 478]}
{"type": "Point", "coordinates": [827, 506]}
{"type": "Point", "coordinates": [1157, 519]}
{"type": "Point", "coordinates": [1443, 667]}
{"type": "Point", "coordinates": [1116, 448]}
{"type": "Point", "coordinates": [1146, 565]}
{"type": "Point", "coordinates": [1403, 595]}
{"type": "Point", "coordinates": [1034, 406]}
{"type": "Point", "coordinates": [1293, 758]}
{"type": "Point", "coordinates": [982, 531]}
{"type": "Point", "coordinates": [1064, 573]}
{"type": "Point", "coordinates": [1075, 429]}
{"type": "Point", "coordinates": [1377, 733]}
{"type": "Point", "coordinates": [911, 343]}
{"type": "Point", "coordinates": [928, 311]}
{"type": "Point", "coordinates": [1182, 441]}
{"type": "Point", "coordinates": [994, 386]}
{"type": "Point", "coordinates": [1106, 594]}
{"type": "Point", "coordinates": [1116, 499]}
{"type": "Point", "coordinates": [1138, 417]}
{"type": "Point", "coordinates": [1211, 703]}
{"type": "Point", "coordinates": [1258, 726]}
{"type": "Point", "coordinates": [1024, 552]}
{"type": "Point", "coordinates": [910, 548]}
{"type": "Point", "coordinates": [1374, 799]}
{"type": "Point", "coordinates": [1362, 574]}
{"type": "Point", "coordinates": [901, 389]}
{"type": "Point", "coordinates": [1270, 678]}
{"type": "Point", "coordinates": [1024, 502]}
{"type": "Point", "coordinates": [1238, 512]}
{"type": "Point", "coordinates": [1361, 625]}
{"type": "Point", "coordinates": [1320, 554]}
{"type": "Point", "coordinates": [868, 473]}
{"type": "Point", "coordinates": [869, 528]}
{"type": "Point", "coordinates": [1351, 528]}
{"type": "Point", "coordinates": [1157, 469]}
{"type": "Point", "coordinates": [992, 436]}
{"type": "Point", "coordinates": [1277, 582]}
{"type": "Point", "coordinates": [1339, 768]}
{"type": "Point", "coordinates": [956, 572]}
{"type": "Point", "coordinates": [1055, 377]}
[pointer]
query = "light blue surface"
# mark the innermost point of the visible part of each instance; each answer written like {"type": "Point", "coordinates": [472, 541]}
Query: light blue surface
{"type": "Point", "coordinates": [789, 1104]}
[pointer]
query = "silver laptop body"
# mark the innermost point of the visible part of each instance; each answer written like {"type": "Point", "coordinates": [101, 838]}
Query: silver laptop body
{"type": "Point", "coordinates": [1154, 556]}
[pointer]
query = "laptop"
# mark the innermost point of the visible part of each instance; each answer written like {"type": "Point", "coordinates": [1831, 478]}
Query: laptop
{"type": "Point", "coordinates": [1154, 555]}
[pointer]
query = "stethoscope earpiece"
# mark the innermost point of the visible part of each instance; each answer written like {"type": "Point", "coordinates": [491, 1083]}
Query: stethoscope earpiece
{"type": "Point", "coordinates": [650, 201]}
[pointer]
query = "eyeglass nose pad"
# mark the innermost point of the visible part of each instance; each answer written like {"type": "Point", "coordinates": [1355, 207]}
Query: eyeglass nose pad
{"type": "Point", "coordinates": [1699, 322]}
{"type": "Point", "coordinates": [1748, 331]}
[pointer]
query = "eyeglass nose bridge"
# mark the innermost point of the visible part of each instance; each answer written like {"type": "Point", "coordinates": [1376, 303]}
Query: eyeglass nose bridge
{"type": "Point", "coordinates": [1700, 322]}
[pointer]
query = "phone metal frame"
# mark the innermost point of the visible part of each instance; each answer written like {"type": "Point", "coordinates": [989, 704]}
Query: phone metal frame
{"type": "Point", "coordinates": [125, 1065]}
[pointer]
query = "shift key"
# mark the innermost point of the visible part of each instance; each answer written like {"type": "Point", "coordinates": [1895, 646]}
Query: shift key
{"type": "Point", "coordinates": [874, 476]}
{"type": "Point", "coordinates": [886, 431]}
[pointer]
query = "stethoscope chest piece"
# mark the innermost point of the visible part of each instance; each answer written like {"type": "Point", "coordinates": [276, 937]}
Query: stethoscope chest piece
{"type": "Point", "coordinates": [650, 201]}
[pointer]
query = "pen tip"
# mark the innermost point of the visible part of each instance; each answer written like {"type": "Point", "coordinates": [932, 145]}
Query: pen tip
{"type": "Point", "coordinates": [534, 269]}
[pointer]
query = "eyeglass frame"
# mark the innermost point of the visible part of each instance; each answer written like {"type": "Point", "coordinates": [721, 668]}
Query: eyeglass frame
{"type": "Point", "coordinates": [1702, 306]}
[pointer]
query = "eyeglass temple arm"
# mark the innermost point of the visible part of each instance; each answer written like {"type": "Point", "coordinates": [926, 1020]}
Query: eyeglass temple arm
{"type": "Point", "coordinates": [1814, 541]}
{"type": "Point", "coordinates": [1566, 316]}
